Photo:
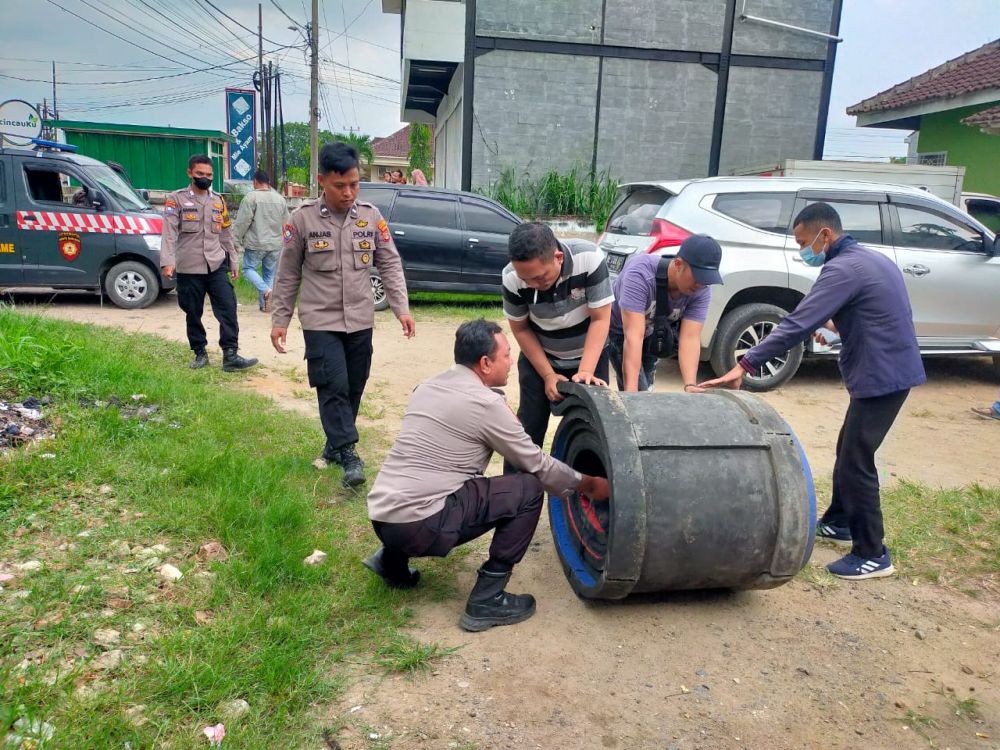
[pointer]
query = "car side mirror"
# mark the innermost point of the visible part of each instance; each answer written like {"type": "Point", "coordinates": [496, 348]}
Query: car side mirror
{"type": "Point", "coordinates": [144, 194]}
{"type": "Point", "coordinates": [96, 199]}
{"type": "Point", "coordinates": [994, 249]}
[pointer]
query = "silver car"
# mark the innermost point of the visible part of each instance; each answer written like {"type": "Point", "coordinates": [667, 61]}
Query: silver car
{"type": "Point", "coordinates": [950, 261]}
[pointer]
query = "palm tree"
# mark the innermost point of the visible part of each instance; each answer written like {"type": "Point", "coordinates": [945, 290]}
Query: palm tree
{"type": "Point", "coordinates": [363, 143]}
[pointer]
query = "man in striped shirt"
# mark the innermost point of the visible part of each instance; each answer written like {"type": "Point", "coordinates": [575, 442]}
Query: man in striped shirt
{"type": "Point", "coordinates": [557, 297]}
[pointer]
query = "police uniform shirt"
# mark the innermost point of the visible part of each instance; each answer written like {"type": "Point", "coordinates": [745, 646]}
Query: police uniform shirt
{"type": "Point", "coordinates": [327, 259]}
{"type": "Point", "coordinates": [196, 233]}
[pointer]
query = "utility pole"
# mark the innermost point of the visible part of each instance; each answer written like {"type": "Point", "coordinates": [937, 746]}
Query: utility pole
{"type": "Point", "coordinates": [314, 100]}
{"type": "Point", "coordinates": [260, 78]}
{"type": "Point", "coordinates": [55, 109]}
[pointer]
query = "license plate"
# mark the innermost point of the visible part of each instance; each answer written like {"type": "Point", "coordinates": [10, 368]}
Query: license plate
{"type": "Point", "coordinates": [615, 262]}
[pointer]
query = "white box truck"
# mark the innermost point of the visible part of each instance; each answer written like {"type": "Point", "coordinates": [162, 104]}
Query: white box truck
{"type": "Point", "coordinates": [944, 182]}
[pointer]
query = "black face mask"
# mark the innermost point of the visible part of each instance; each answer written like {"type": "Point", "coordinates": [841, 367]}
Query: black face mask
{"type": "Point", "coordinates": [202, 183]}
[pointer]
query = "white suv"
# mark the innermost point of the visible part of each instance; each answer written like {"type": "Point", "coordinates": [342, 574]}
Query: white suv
{"type": "Point", "coordinates": [950, 261]}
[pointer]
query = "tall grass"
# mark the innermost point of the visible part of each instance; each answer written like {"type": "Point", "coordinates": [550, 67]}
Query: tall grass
{"type": "Point", "coordinates": [574, 193]}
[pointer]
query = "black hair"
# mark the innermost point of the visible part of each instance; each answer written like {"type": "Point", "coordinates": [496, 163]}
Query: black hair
{"type": "Point", "coordinates": [338, 157]}
{"type": "Point", "coordinates": [262, 177]}
{"type": "Point", "coordinates": [816, 215]}
{"type": "Point", "coordinates": [474, 340]}
{"type": "Point", "coordinates": [531, 240]}
{"type": "Point", "coordinates": [199, 159]}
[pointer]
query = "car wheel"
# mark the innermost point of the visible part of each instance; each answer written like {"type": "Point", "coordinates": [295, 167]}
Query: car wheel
{"type": "Point", "coordinates": [132, 285]}
{"type": "Point", "coordinates": [743, 328]}
{"type": "Point", "coordinates": [378, 293]}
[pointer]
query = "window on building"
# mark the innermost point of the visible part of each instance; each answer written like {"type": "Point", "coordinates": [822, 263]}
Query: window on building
{"type": "Point", "coordinates": [425, 211]}
{"type": "Point", "coordinates": [933, 158]}
{"type": "Point", "coordinates": [480, 218]}
{"type": "Point", "coordinates": [771, 212]}
{"type": "Point", "coordinates": [926, 230]}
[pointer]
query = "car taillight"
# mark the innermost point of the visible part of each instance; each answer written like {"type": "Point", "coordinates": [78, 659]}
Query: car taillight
{"type": "Point", "coordinates": [665, 234]}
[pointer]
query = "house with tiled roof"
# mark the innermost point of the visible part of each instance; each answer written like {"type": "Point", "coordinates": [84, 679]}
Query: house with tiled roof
{"type": "Point", "coordinates": [392, 152]}
{"type": "Point", "coordinates": [955, 109]}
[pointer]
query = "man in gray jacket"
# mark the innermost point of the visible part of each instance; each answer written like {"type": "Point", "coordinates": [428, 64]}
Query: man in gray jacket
{"type": "Point", "coordinates": [257, 230]}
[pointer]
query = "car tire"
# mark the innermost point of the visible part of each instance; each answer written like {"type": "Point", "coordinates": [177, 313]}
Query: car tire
{"type": "Point", "coordinates": [740, 329]}
{"type": "Point", "coordinates": [379, 296]}
{"type": "Point", "coordinates": [132, 285]}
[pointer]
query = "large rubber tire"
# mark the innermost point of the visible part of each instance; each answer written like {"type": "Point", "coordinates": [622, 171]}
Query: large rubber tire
{"type": "Point", "coordinates": [739, 330]}
{"type": "Point", "coordinates": [379, 296]}
{"type": "Point", "coordinates": [132, 285]}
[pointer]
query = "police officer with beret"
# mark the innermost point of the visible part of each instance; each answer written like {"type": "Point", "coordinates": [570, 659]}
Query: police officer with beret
{"type": "Point", "coordinates": [197, 245]}
{"type": "Point", "coordinates": [330, 245]}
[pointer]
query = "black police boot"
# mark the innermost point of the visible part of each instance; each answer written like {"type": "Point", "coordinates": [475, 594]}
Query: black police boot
{"type": "Point", "coordinates": [393, 568]}
{"type": "Point", "coordinates": [232, 361]}
{"type": "Point", "coordinates": [200, 359]}
{"type": "Point", "coordinates": [354, 467]}
{"type": "Point", "coordinates": [490, 605]}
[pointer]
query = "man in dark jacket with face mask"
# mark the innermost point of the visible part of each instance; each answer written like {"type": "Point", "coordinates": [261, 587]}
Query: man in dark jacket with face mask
{"type": "Point", "coordinates": [860, 294]}
{"type": "Point", "coordinates": [197, 245]}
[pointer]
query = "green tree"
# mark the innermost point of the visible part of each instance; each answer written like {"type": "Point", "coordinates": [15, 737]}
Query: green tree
{"type": "Point", "coordinates": [420, 148]}
{"type": "Point", "coordinates": [297, 145]}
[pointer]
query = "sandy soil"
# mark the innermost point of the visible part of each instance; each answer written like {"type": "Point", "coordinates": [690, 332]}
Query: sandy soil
{"type": "Point", "coordinates": [884, 664]}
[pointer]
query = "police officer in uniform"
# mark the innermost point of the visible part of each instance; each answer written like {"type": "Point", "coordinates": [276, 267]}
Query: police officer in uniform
{"type": "Point", "coordinates": [196, 245]}
{"type": "Point", "coordinates": [329, 247]}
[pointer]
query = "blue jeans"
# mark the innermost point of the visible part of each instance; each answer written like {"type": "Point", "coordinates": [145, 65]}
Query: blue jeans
{"type": "Point", "coordinates": [647, 372]}
{"type": "Point", "coordinates": [268, 261]}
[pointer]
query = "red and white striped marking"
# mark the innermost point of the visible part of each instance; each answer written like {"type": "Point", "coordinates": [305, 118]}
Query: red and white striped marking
{"type": "Point", "coordinates": [57, 221]}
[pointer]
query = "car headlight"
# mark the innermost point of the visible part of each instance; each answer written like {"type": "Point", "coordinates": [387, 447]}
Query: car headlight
{"type": "Point", "coordinates": [153, 242]}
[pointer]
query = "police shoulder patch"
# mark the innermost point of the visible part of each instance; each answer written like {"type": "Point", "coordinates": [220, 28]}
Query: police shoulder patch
{"type": "Point", "coordinates": [383, 229]}
{"type": "Point", "coordinates": [288, 232]}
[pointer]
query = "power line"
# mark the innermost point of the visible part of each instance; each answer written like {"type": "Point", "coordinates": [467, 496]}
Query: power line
{"type": "Point", "coordinates": [347, 49]}
{"type": "Point", "coordinates": [251, 31]}
{"type": "Point", "coordinates": [275, 4]}
{"type": "Point", "coordinates": [174, 23]}
{"type": "Point", "coordinates": [117, 36]}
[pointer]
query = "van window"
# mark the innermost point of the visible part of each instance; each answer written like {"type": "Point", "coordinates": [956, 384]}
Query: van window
{"type": "Point", "coordinates": [925, 230]}
{"type": "Point", "coordinates": [115, 187]}
{"type": "Point", "coordinates": [771, 212]}
{"type": "Point", "coordinates": [428, 212]}
{"type": "Point", "coordinates": [3, 185]}
{"type": "Point", "coordinates": [635, 212]}
{"type": "Point", "coordinates": [863, 221]}
{"type": "Point", "coordinates": [380, 197]}
{"type": "Point", "coordinates": [46, 186]}
{"type": "Point", "coordinates": [479, 218]}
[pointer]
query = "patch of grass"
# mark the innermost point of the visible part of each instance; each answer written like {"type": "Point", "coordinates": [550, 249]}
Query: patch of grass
{"type": "Point", "coordinates": [449, 306]}
{"type": "Point", "coordinates": [966, 708]}
{"type": "Point", "coordinates": [213, 463]}
{"type": "Point", "coordinates": [920, 723]}
{"type": "Point", "coordinates": [948, 536]}
{"type": "Point", "coordinates": [404, 654]}
{"type": "Point", "coordinates": [818, 577]}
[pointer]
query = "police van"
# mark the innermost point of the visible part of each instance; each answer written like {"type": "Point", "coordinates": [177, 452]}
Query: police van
{"type": "Point", "coordinates": [71, 222]}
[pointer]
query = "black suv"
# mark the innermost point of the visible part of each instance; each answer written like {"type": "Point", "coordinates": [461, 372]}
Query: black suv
{"type": "Point", "coordinates": [71, 222]}
{"type": "Point", "coordinates": [449, 240]}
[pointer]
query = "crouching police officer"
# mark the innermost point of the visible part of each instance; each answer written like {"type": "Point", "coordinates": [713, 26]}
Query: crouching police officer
{"type": "Point", "coordinates": [196, 245]}
{"type": "Point", "coordinates": [329, 247]}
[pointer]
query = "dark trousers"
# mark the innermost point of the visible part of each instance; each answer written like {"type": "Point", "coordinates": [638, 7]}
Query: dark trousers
{"type": "Point", "coordinates": [191, 291]}
{"type": "Point", "coordinates": [534, 407]}
{"type": "Point", "coordinates": [509, 504]}
{"type": "Point", "coordinates": [338, 365]}
{"type": "Point", "coordinates": [647, 369]}
{"type": "Point", "coordinates": [855, 502]}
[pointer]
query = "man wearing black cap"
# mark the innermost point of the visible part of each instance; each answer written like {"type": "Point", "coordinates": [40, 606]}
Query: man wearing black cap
{"type": "Point", "coordinates": [652, 294]}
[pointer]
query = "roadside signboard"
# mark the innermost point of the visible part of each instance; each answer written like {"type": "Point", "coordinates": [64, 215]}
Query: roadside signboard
{"type": "Point", "coordinates": [241, 123]}
{"type": "Point", "coordinates": [19, 123]}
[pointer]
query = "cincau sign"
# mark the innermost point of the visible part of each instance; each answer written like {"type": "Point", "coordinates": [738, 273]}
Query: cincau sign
{"type": "Point", "coordinates": [19, 123]}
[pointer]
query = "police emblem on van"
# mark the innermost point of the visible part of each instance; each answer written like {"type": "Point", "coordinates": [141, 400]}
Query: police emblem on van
{"type": "Point", "coordinates": [69, 245]}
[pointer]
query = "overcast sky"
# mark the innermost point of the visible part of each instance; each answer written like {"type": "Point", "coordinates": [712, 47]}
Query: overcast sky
{"type": "Point", "coordinates": [885, 42]}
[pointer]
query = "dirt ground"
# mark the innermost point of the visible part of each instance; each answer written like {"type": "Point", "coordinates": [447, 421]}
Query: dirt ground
{"type": "Point", "coordinates": [883, 664]}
